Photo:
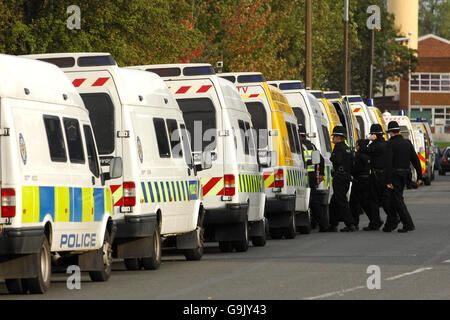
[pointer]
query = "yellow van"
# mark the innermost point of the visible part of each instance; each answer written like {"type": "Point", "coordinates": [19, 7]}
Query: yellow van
{"type": "Point", "coordinates": [377, 117]}
{"type": "Point", "coordinates": [328, 110]}
{"type": "Point", "coordinates": [284, 175]}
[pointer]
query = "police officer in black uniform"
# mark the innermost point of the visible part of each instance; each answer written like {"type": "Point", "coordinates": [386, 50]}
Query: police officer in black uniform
{"type": "Point", "coordinates": [359, 197]}
{"type": "Point", "coordinates": [379, 180]}
{"type": "Point", "coordinates": [403, 154]}
{"type": "Point", "coordinates": [318, 210]}
{"type": "Point", "coordinates": [342, 167]}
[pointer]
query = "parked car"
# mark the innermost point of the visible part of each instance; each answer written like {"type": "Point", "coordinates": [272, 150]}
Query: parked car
{"type": "Point", "coordinates": [444, 162]}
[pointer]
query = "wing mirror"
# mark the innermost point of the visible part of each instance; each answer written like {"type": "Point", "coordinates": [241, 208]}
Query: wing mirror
{"type": "Point", "coordinates": [115, 169]}
{"type": "Point", "coordinates": [266, 158]}
{"type": "Point", "coordinates": [202, 161]}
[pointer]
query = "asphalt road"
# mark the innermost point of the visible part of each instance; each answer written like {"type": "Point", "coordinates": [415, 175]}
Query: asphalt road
{"type": "Point", "coordinates": [415, 265]}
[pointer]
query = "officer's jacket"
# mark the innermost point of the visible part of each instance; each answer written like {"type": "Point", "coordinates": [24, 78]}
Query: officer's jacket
{"type": "Point", "coordinates": [361, 165]}
{"type": "Point", "coordinates": [309, 147]}
{"type": "Point", "coordinates": [403, 154]}
{"type": "Point", "coordinates": [380, 157]}
{"type": "Point", "coordinates": [342, 158]}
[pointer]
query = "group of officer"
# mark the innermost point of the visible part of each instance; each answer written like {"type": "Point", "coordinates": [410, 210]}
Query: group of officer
{"type": "Point", "coordinates": [378, 170]}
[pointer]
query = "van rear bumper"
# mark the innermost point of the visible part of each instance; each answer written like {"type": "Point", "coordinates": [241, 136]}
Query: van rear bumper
{"type": "Point", "coordinates": [232, 213]}
{"type": "Point", "coordinates": [21, 240]}
{"type": "Point", "coordinates": [136, 226]}
{"type": "Point", "coordinates": [281, 203]}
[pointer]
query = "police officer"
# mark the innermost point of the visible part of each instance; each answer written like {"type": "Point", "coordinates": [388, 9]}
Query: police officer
{"type": "Point", "coordinates": [342, 166]}
{"type": "Point", "coordinates": [381, 168]}
{"type": "Point", "coordinates": [403, 154]}
{"type": "Point", "coordinates": [318, 210]}
{"type": "Point", "coordinates": [359, 197]}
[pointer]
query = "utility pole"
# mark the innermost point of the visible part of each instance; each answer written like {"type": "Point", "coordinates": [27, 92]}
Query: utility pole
{"type": "Point", "coordinates": [308, 69]}
{"type": "Point", "coordinates": [346, 69]}
{"type": "Point", "coordinates": [372, 53]}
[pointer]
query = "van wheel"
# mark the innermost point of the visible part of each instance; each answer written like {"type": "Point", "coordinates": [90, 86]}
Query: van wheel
{"type": "Point", "coordinates": [291, 231]}
{"type": "Point", "coordinates": [226, 246]}
{"type": "Point", "coordinates": [132, 264]}
{"type": "Point", "coordinates": [260, 241]}
{"type": "Point", "coordinates": [276, 233]}
{"type": "Point", "coordinates": [153, 262]}
{"type": "Point", "coordinates": [103, 275]}
{"type": "Point", "coordinates": [242, 246]}
{"type": "Point", "coordinates": [16, 286]}
{"type": "Point", "coordinates": [41, 283]}
{"type": "Point", "coordinates": [196, 254]}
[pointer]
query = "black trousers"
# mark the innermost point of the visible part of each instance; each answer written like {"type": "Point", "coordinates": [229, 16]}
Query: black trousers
{"type": "Point", "coordinates": [339, 206]}
{"type": "Point", "coordinates": [379, 195]}
{"type": "Point", "coordinates": [399, 181]}
{"type": "Point", "coordinates": [359, 198]}
{"type": "Point", "coordinates": [319, 212]}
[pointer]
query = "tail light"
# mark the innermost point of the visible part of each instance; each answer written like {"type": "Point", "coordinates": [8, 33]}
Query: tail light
{"type": "Point", "coordinates": [229, 185]}
{"type": "Point", "coordinates": [129, 194]}
{"type": "Point", "coordinates": [8, 203]}
{"type": "Point", "coordinates": [279, 178]}
{"type": "Point", "coordinates": [444, 159]}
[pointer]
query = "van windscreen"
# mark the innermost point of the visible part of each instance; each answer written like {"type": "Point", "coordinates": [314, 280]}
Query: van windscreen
{"type": "Point", "coordinates": [259, 120]}
{"type": "Point", "coordinates": [200, 117]}
{"type": "Point", "coordinates": [101, 113]}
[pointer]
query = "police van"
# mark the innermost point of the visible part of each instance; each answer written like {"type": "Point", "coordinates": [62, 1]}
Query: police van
{"type": "Point", "coordinates": [136, 118]}
{"type": "Point", "coordinates": [54, 205]}
{"type": "Point", "coordinates": [328, 110]}
{"type": "Point", "coordinates": [284, 173]}
{"type": "Point", "coordinates": [309, 113]}
{"type": "Point", "coordinates": [361, 113]}
{"type": "Point", "coordinates": [218, 122]}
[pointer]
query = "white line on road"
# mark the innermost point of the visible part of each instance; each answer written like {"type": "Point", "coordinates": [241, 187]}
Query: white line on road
{"type": "Point", "coordinates": [326, 295]}
{"type": "Point", "coordinates": [408, 273]}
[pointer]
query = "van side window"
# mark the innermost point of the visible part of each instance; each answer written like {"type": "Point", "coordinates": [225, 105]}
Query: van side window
{"type": "Point", "coordinates": [361, 124]}
{"type": "Point", "coordinates": [250, 138]}
{"type": "Point", "coordinates": [175, 139]}
{"type": "Point", "coordinates": [55, 139]}
{"type": "Point", "coordinates": [259, 120]}
{"type": "Point", "coordinates": [291, 138]}
{"type": "Point", "coordinates": [91, 152]}
{"type": "Point", "coordinates": [298, 145]}
{"type": "Point", "coordinates": [186, 145]}
{"type": "Point", "coordinates": [326, 133]}
{"type": "Point", "coordinates": [101, 113]}
{"type": "Point", "coordinates": [161, 137]}
{"type": "Point", "coordinates": [200, 113]}
{"type": "Point", "coordinates": [244, 137]}
{"type": "Point", "coordinates": [74, 141]}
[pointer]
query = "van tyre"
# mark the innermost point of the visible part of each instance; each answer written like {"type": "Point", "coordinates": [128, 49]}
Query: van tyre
{"type": "Point", "coordinates": [153, 262]}
{"type": "Point", "coordinates": [16, 286]}
{"type": "Point", "coordinates": [242, 245]}
{"type": "Point", "coordinates": [260, 241]}
{"type": "Point", "coordinates": [291, 231]}
{"type": "Point", "coordinates": [226, 246]}
{"type": "Point", "coordinates": [103, 275]}
{"type": "Point", "coordinates": [196, 254]}
{"type": "Point", "coordinates": [276, 233]}
{"type": "Point", "coordinates": [41, 283]}
{"type": "Point", "coordinates": [132, 264]}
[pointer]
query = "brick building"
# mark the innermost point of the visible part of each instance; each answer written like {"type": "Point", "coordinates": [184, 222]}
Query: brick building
{"type": "Point", "coordinates": [430, 86]}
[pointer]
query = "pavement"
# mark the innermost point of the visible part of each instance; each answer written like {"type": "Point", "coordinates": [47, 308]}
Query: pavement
{"type": "Point", "coordinates": [414, 265]}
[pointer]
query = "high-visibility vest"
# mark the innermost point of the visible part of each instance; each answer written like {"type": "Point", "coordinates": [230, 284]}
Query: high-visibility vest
{"type": "Point", "coordinates": [308, 156]}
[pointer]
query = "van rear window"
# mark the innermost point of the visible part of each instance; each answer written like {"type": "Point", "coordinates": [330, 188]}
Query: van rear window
{"type": "Point", "coordinates": [74, 141]}
{"type": "Point", "coordinates": [259, 120]}
{"type": "Point", "coordinates": [200, 117]}
{"type": "Point", "coordinates": [161, 137]}
{"type": "Point", "coordinates": [55, 139]}
{"type": "Point", "coordinates": [101, 113]}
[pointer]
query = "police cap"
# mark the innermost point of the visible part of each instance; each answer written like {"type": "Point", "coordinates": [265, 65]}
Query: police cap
{"type": "Point", "coordinates": [393, 126]}
{"type": "Point", "coordinates": [339, 131]}
{"type": "Point", "coordinates": [376, 129]}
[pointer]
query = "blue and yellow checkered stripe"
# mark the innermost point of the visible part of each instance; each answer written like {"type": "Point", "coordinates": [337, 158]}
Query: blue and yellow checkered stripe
{"type": "Point", "coordinates": [296, 178]}
{"type": "Point", "coordinates": [65, 204]}
{"type": "Point", "coordinates": [169, 191]}
{"type": "Point", "coordinates": [250, 183]}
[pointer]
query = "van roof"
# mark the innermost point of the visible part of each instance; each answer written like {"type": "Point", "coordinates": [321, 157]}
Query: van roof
{"type": "Point", "coordinates": [29, 79]}
{"type": "Point", "coordinates": [243, 77]}
{"type": "Point", "coordinates": [168, 71]}
{"type": "Point", "coordinates": [288, 85]}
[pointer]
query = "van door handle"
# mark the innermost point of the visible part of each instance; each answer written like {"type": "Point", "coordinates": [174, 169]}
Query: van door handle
{"type": "Point", "coordinates": [189, 171]}
{"type": "Point", "coordinates": [93, 181]}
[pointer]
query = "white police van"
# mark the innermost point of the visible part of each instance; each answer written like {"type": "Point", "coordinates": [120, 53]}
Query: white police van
{"type": "Point", "coordinates": [54, 205]}
{"type": "Point", "coordinates": [308, 112]}
{"type": "Point", "coordinates": [362, 115]}
{"type": "Point", "coordinates": [285, 176]}
{"type": "Point", "coordinates": [218, 121]}
{"type": "Point", "coordinates": [136, 118]}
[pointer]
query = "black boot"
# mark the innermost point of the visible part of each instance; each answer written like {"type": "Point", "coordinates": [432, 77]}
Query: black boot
{"type": "Point", "coordinates": [406, 229]}
{"type": "Point", "coordinates": [332, 229]}
{"type": "Point", "coordinates": [350, 228]}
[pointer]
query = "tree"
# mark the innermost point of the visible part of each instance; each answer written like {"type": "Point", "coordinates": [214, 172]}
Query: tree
{"type": "Point", "coordinates": [434, 18]}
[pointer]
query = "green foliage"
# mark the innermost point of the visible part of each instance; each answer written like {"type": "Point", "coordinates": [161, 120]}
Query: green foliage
{"type": "Point", "coordinates": [434, 17]}
{"type": "Point", "coordinates": [247, 35]}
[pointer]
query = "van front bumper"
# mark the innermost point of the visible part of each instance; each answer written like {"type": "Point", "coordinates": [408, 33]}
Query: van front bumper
{"type": "Point", "coordinates": [232, 213]}
{"type": "Point", "coordinates": [21, 240]}
{"type": "Point", "coordinates": [136, 226]}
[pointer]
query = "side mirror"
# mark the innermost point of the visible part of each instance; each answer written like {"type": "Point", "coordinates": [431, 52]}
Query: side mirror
{"type": "Point", "coordinates": [206, 160]}
{"type": "Point", "coordinates": [311, 135]}
{"type": "Point", "coordinates": [266, 158]}
{"type": "Point", "coordinates": [115, 168]}
{"type": "Point", "coordinates": [315, 157]}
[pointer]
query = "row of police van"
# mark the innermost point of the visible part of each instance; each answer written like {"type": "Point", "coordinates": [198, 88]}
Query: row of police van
{"type": "Point", "coordinates": [100, 162]}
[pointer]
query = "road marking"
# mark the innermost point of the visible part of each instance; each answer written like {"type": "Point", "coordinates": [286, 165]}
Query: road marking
{"type": "Point", "coordinates": [330, 294]}
{"type": "Point", "coordinates": [408, 274]}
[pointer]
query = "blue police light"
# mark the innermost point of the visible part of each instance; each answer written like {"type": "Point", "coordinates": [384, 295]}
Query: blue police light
{"type": "Point", "coordinates": [251, 78]}
{"type": "Point", "coordinates": [370, 103]}
{"type": "Point", "coordinates": [95, 61]}
{"type": "Point", "coordinates": [401, 113]}
{"type": "Point", "coordinates": [199, 71]}
{"type": "Point", "coordinates": [291, 86]}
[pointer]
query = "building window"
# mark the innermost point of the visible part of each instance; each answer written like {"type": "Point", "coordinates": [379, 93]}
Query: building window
{"type": "Point", "coordinates": [435, 82]}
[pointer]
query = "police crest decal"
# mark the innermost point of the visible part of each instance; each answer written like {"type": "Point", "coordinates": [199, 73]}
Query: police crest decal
{"type": "Point", "coordinates": [23, 149]}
